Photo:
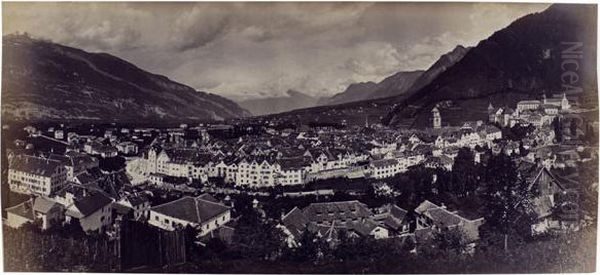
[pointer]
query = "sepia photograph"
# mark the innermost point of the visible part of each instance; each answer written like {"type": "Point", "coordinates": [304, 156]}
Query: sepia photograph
{"type": "Point", "coordinates": [299, 137]}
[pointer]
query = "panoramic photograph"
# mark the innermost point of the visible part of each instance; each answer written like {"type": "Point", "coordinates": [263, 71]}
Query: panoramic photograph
{"type": "Point", "coordinates": [299, 137]}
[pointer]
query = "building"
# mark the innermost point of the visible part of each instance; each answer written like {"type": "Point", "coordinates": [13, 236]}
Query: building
{"type": "Point", "coordinates": [548, 188]}
{"type": "Point", "coordinates": [76, 163]}
{"type": "Point", "coordinates": [188, 163]}
{"type": "Point", "coordinates": [127, 148]}
{"type": "Point", "coordinates": [329, 218]}
{"type": "Point", "coordinates": [92, 209]}
{"type": "Point", "coordinates": [393, 218]}
{"type": "Point", "coordinates": [437, 118]}
{"type": "Point", "coordinates": [36, 175]}
{"type": "Point", "coordinates": [59, 134]}
{"type": "Point", "coordinates": [433, 218]}
{"type": "Point", "coordinates": [203, 213]}
{"type": "Point", "coordinates": [139, 204]}
{"type": "Point", "coordinates": [528, 105]}
{"type": "Point", "coordinates": [559, 101]}
{"type": "Point", "coordinates": [20, 214]}
{"type": "Point", "coordinates": [48, 212]}
{"type": "Point", "coordinates": [385, 168]}
{"type": "Point", "coordinates": [257, 173]}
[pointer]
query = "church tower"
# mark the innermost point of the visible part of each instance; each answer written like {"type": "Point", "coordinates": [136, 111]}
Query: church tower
{"type": "Point", "coordinates": [564, 103]}
{"type": "Point", "coordinates": [437, 118]}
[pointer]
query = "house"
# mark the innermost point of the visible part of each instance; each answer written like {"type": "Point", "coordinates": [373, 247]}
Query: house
{"type": "Point", "coordinates": [203, 213]}
{"type": "Point", "coordinates": [329, 218]}
{"type": "Point", "coordinates": [384, 168]}
{"type": "Point", "coordinates": [547, 188]}
{"type": "Point", "coordinates": [177, 162]}
{"type": "Point", "coordinates": [76, 163]}
{"type": "Point", "coordinates": [49, 212]}
{"type": "Point", "coordinates": [526, 105]}
{"type": "Point", "coordinates": [433, 218]}
{"type": "Point", "coordinates": [291, 171]}
{"type": "Point", "coordinates": [35, 175]}
{"type": "Point", "coordinates": [59, 134]}
{"type": "Point", "coordinates": [257, 172]}
{"type": "Point", "coordinates": [139, 203]}
{"type": "Point", "coordinates": [393, 218]}
{"type": "Point", "coordinates": [91, 208]}
{"type": "Point", "coordinates": [20, 214]}
{"type": "Point", "coordinates": [127, 148]}
{"type": "Point", "coordinates": [96, 148]}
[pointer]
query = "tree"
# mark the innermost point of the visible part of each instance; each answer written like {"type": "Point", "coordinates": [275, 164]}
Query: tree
{"type": "Point", "coordinates": [258, 239]}
{"type": "Point", "coordinates": [421, 179]}
{"type": "Point", "coordinates": [452, 240]}
{"type": "Point", "coordinates": [311, 248]}
{"type": "Point", "coordinates": [590, 136]}
{"type": "Point", "coordinates": [573, 128]}
{"type": "Point", "coordinates": [465, 176]}
{"type": "Point", "coordinates": [557, 129]}
{"type": "Point", "coordinates": [507, 197]}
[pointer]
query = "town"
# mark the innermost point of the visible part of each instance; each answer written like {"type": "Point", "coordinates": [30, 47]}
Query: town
{"type": "Point", "coordinates": [258, 189]}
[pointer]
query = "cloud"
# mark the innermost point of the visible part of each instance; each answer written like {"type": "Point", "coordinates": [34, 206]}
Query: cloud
{"type": "Point", "coordinates": [265, 49]}
{"type": "Point", "coordinates": [198, 27]}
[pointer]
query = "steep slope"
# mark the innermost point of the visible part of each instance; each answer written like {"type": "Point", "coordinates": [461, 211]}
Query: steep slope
{"type": "Point", "coordinates": [441, 65]}
{"type": "Point", "coordinates": [273, 105]}
{"type": "Point", "coordinates": [392, 85]}
{"type": "Point", "coordinates": [354, 92]}
{"type": "Point", "coordinates": [396, 84]}
{"type": "Point", "coordinates": [42, 80]}
{"type": "Point", "coordinates": [521, 61]}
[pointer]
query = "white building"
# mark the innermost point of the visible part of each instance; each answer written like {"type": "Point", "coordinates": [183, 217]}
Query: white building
{"type": "Point", "coordinates": [203, 213]}
{"type": "Point", "coordinates": [92, 210]}
{"type": "Point", "coordinates": [35, 175]}
{"type": "Point", "coordinates": [384, 168]}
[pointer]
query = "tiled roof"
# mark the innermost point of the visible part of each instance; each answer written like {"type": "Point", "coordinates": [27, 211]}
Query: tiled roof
{"type": "Point", "coordinates": [34, 165]}
{"type": "Point", "coordinates": [424, 206]}
{"type": "Point", "coordinates": [340, 211]}
{"type": "Point", "coordinates": [24, 210]}
{"type": "Point", "coordinates": [91, 203]}
{"type": "Point", "coordinates": [43, 205]}
{"type": "Point", "coordinates": [195, 210]}
{"type": "Point", "coordinates": [442, 217]}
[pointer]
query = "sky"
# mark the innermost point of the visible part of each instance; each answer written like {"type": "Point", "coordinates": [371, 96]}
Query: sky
{"type": "Point", "coordinates": [253, 50]}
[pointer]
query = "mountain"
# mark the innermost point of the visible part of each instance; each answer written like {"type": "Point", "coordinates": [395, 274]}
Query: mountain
{"type": "Point", "coordinates": [399, 83]}
{"type": "Point", "coordinates": [354, 92]}
{"type": "Point", "coordinates": [392, 85]}
{"type": "Point", "coordinates": [441, 65]}
{"type": "Point", "coordinates": [528, 58]}
{"type": "Point", "coordinates": [42, 80]}
{"type": "Point", "coordinates": [521, 61]}
{"type": "Point", "coordinates": [273, 105]}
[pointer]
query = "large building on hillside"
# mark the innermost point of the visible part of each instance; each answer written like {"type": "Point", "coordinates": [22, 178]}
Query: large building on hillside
{"type": "Point", "coordinates": [35, 175]}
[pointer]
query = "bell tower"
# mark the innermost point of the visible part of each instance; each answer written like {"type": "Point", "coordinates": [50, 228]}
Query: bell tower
{"type": "Point", "coordinates": [437, 118]}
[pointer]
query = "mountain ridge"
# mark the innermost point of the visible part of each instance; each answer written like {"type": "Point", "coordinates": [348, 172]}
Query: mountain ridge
{"type": "Point", "coordinates": [43, 80]}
